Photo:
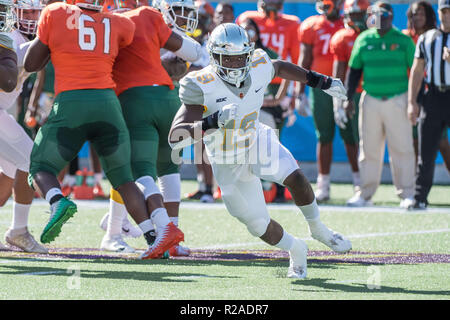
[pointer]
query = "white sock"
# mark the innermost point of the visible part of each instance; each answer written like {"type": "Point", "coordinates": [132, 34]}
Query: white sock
{"type": "Point", "coordinates": [323, 180]}
{"type": "Point", "coordinates": [51, 193]}
{"type": "Point", "coordinates": [20, 215]}
{"type": "Point", "coordinates": [174, 220]}
{"type": "Point", "coordinates": [285, 242]}
{"type": "Point", "coordinates": [160, 218]}
{"type": "Point", "coordinates": [202, 187]}
{"type": "Point", "coordinates": [356, 179]}
{"type": "Point", "coordinates": [146, 226]}
{"type": "Point", "coordinates": [310, 211]}
{"type": "Point", "coordinates": [117, 212]}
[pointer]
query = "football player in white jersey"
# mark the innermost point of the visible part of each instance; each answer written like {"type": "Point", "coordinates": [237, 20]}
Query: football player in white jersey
{"type": "Point", "coordinates": [221, 104]}
{"type": "Point", "coordinates": [15, 145]}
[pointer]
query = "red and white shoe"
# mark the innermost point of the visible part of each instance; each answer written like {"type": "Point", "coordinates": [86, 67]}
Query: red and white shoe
{"type": "Point", "coordinates": [179, 251]}
{"type": "Point", "coordinates": [166, 238]}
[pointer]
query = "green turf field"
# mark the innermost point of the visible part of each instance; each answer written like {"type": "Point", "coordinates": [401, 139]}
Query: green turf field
{"type": "Point", "coordinates": [396, 255]}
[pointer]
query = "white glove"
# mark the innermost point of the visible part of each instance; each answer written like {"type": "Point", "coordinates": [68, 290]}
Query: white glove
{"type": "Point", "coordinates": [227, 116]}
{"type": "Point", "coordinates": [337, 90]}
{"type": "Point", "coordinates": [340, 116]}
{"type": "Point", "coordinates": [287, 111]}
{"type": "Point", "coordinates": [302, 105]}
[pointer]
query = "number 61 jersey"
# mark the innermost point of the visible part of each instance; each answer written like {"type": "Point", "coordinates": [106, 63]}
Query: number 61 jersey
{"type": "Point", "coordinates": [205, 88]}
{"type": "Point", "coordinates": [83, 44]}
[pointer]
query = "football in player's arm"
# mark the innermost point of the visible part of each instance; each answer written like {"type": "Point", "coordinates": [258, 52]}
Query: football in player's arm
{"type": "Point", "coordinates": [8, 64]}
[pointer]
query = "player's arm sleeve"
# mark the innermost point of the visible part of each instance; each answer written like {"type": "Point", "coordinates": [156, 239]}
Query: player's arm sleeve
{"type": "Point", "coordinates": [44, 26]}
{"type": "Point", "coordinates": [190, 92]}
{"type": "Point", "coordinates": [6, 42]}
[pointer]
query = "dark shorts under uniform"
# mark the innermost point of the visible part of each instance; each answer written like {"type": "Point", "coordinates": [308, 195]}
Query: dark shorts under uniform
{"type": "Point", "coordinates": [78, 116]}
{"type": "Point", "coordinates": [148, 112]}
{"type": "Point", "coordinates": [323, 116]}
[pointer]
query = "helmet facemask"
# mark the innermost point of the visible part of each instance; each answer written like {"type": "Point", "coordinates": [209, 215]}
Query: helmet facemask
{"type": "Point", "coordinates": [182, 15]}
{"type": "Point", "coordinates": [329, 8]}
{"type": "Point", "coordinates": [7, 18]}
{"type": "Point", "coordinates": [231, 53]}
{"type": "Point", "coordinates": [27, 13]}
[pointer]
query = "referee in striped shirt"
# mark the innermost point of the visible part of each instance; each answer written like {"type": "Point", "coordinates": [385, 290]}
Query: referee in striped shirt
{"type": "Point", "coordinates": [432, 59]}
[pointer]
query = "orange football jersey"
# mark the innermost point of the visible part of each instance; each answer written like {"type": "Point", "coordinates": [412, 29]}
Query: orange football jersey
{"type": "Point", "coordinates": [317, 32]}
{"type": "Point", "coordinates": [341, 47]}
{"type": "Point", "coordinates": [139, 64]}
{"type": "Point", "coordinates": [279, 35]}
{"type": "Point", "coordinates": [83, 45]}
{"type": "Point", "coordinates": [412, 34]}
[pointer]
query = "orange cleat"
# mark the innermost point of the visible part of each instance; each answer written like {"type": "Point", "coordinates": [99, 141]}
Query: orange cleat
{"type": "Point", "coordinates": [179, 251]}
{"type": "Point", "coordinates": [168, 237]}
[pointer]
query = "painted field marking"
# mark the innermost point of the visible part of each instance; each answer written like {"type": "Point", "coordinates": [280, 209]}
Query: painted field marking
{"type": "Point", "coordinates": [104, 204]}
{"type": "Point", "coordinates": [355, 236]}
{"type": "Point", "coordinates": [40, 273]}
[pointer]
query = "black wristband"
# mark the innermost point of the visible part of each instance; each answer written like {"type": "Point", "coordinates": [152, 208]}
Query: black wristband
{"type": "Point", "coordinates": [317, 80]}
{"type": "Point", "coordinates": [210, 122]}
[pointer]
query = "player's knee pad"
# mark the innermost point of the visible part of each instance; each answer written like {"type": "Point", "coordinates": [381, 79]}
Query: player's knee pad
{"type": "Point", "coordinates": [258, 227]}
{"type": "Point", "coordinates": [148, 186]}
{"type": "Point", "coordinates": [170, 186]}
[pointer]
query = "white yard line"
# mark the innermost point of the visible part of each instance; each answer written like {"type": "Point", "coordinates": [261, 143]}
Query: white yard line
{"type": "Point", "coordinates": [98, 204]}
{"type": "Point", "coordinates": [354, 236]}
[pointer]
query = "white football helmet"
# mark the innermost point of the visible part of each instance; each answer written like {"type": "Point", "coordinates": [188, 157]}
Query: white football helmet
{"type": "Point", "coordinates": [189, 14]}
{"type": "Point", "coordinates": [27, 14]}
{"type": "Point", "coordinates": [230, 39]}
{"type": "Point", "coordinates": [6, 15]}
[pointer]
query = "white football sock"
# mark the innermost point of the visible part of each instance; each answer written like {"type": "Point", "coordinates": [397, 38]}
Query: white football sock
{"type": "Point", "coordinates": [160, 218]}
{"type": "Point", "coordinates": [20, 215]}
{"type": "Point", "coordinates": [285, 242]}
{"type": "Point", "coordinates": [310, 211]}
{"type": "Point", "coordinates": [117, 212]}
{"type": "Point", "coordinates": [146, 226]}
{"type": "Point", "coordinates": [51, 193]}
{"type": "Point", "coordinates": [356, 179]}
